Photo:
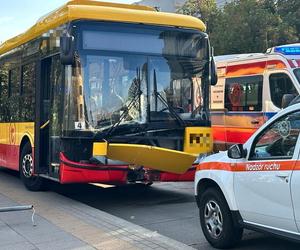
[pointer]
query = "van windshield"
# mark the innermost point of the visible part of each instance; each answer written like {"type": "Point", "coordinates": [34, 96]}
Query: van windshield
{"type": "Point", "coordinates": [297, 74]}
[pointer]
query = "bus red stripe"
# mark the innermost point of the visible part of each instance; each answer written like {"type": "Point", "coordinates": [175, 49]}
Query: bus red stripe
{"type": "Point", "coordinates": [9, 156]}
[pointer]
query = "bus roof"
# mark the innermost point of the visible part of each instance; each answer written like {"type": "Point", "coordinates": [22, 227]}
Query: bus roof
{"type": "Point", "coordinates": [102, 11]}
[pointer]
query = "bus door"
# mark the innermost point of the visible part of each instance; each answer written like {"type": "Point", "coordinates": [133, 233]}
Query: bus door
{"type": "Point", "coordinates": [41, 154]}
{"type": "Point", "coordinates": [243, 105]}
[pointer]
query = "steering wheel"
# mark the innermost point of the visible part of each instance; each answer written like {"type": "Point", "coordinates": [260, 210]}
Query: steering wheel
{"type": "Point", "coordinates": [287, 145]}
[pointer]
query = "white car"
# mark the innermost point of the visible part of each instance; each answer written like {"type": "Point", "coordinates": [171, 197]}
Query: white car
{"type": "Point", "coordinates": [255, 185]}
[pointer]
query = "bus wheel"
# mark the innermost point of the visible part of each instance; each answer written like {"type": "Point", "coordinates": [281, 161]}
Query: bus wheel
{"type": "Point", "coordinates": [31, 182]}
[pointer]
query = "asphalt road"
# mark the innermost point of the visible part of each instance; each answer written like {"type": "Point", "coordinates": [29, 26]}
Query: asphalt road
{"type": "Point", "coordinates": [168, 208]}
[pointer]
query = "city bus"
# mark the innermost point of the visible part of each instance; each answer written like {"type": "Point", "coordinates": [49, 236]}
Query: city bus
{"type": "Point", "coordinates": [251, 89]}
{"type": "Point", "coordinates": [108, 93]}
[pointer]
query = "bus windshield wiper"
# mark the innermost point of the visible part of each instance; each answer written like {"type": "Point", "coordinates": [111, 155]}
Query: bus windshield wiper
{"type": "Point", "coordinates": [170, 108]}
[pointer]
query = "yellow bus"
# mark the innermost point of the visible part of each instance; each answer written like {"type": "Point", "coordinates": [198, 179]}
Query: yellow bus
{"type": "Point", "coordinates": [106, 93]}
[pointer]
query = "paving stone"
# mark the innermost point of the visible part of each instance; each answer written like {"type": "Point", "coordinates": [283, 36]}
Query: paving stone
{"type": "Point", "coordinates": [17, 246]}
{"type": "Point", "coordinates": [63, 223]}
{"type": "Point", "coordinates": [114, 244]}
{"type": "Point", "coordinates": [9, 236]}
{"type": "Point", "coordinates": [61, 244]}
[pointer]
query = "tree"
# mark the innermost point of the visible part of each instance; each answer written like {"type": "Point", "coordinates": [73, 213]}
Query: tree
{"type": "Point", "coordinates": [289, 10]}
{"type": "Point", "coordinates": [206, 10]}
{"type": "Point", "coordinates": [245, 26]}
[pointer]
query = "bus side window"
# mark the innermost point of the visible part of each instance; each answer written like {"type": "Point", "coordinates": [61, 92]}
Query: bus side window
{"type": "Point", "coordinates": [243, 93]}
{"type": "Point", "coordinates": [28, 93]}
{"type": "Point", "coordinates": [3, 93]}
{"type": "Point", "coordinates": [14, 94]}
{"type": "Point", "coordinates": [280, 84]}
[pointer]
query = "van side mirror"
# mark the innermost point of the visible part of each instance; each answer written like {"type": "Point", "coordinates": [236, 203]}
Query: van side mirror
{"type": "Point", "coordinates": [237, 151]}
{"type": "Point", "coordinates": [67, 49]}
{"type": "Point", "coordinates": [286, 100]}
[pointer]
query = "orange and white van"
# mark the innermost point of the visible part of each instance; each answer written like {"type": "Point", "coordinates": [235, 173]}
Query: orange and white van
{"type": "Point", "coordinates": [254, 185]}
{"type": "Point", "coordinates": [250, 91]}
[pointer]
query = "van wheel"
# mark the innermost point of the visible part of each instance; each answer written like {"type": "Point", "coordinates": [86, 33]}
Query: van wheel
{"type": "Point", "coordinates": [216, 220]}
{"type": "Point", "coordinates": [31, 182]}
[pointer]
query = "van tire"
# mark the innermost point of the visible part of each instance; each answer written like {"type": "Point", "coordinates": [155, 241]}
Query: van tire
{"type": "Point", "coordinates": [216, 220]}
{"type": "Point", "coordinates": [26, 165]}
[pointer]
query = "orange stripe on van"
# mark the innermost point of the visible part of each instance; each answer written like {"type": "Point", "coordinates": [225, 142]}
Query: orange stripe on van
{"type": "Point", "coordinates": [253, 68]}
{"type": "Point", "coordinates": [246, 69]}
{"type": "Point", "coordinates": [277, 64]}
{"type": "Point", "coordinates": [232, 134]}
{"type": "Point", "coordinates": [251, 166]}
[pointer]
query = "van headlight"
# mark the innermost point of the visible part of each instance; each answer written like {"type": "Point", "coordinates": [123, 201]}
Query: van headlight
{"type": "Point", "coordinates": [200, 158]}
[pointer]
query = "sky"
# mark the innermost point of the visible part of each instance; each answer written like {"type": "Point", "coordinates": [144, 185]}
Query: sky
{"type": "Point", "coordinates": [16, 16]}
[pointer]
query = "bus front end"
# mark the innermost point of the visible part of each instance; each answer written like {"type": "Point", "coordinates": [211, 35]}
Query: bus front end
{"type": "Point", "coordinates": [131, 85]}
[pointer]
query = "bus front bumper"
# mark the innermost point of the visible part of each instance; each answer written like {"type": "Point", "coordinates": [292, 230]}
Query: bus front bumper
{"type": "Point", "coordinates": [76, 172]}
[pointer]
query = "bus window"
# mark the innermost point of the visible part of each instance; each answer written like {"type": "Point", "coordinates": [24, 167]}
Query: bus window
{"type": "Point", "coordinates": [170, 87]}
{"type": "Point", "coordinates": [280, 84]}
{"type": "Point", "coordinates": [110, 84]}
{"type": "Point", "coordinates": [244, 93]}
{"type": "Point", "coordinates": [3, 93]}
{"type": "Point", "coordinates": [14, 94]}
{"type": "Point", "coordinates": [28, 92]}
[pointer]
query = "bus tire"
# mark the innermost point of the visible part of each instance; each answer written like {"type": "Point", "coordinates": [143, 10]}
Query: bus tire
{"type": "Point", "coordinates": [26, 165]}
{"type": "Point", "coordinates": [216, 220]}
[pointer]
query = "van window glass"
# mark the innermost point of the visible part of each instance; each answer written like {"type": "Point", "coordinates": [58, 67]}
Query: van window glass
{"type": "Point", "coordinates": [278, 140]}
{"type": "Point", "coordinates": [280, 84]}
{"type": "Point", "coordinates": [244, 93]}
{"type": "Point", "coordinates": [297, 74]}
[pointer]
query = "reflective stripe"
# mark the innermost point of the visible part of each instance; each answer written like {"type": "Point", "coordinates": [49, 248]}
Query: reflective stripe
{"type": "Point", "coordinates": [253, 68]}
{"type": "Point", "coordinates": [251, 166]}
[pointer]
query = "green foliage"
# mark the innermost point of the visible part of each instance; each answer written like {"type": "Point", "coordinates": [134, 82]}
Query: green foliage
{"type": "Point", "coordinates": [289, 10]}
{"type": "Point", "coordinates": [244, 26]}
{"type": "Point", "coordinates": [206, 10]}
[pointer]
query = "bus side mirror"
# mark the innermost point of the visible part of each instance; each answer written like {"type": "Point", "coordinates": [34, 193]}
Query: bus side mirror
{"type": "Point", "coordinates": [67, 49]}
{"type": "Point", "coordinates": [213, 72]}
{"type": "Point", "coordinates": [236, 151]}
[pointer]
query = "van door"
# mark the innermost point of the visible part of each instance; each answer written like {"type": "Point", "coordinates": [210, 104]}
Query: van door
{"type": "Point", "coordinates": [243, 102]}
{"type": "Point", "coordinates": [263, 188]}
{"type": "Point", "coordinates": [295, 187]}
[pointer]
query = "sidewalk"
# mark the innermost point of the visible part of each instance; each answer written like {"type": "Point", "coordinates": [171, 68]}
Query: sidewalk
{"type": "Point", "coordinates": [63, 223]}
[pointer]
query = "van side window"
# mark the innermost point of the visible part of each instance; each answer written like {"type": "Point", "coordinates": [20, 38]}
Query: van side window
{"type": "Point", "coordinates": [244, 93]}
{"type": "Point", "coordinates": [280, 84]}
{"type": "Point", "coordinates": [278, 141]}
